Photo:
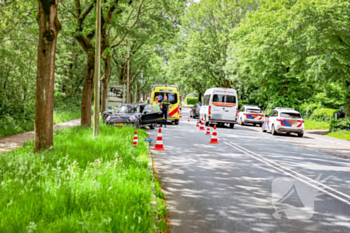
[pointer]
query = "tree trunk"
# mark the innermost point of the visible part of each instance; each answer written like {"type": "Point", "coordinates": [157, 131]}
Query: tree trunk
{"type": "Point", "coordinates": [200, 96]}
{"type": "Point", "coordinates": [105, 81]}
{"type": "Point", "coordinates": [347, 99]}
{"type": "Point", "coordinates": [87, 90]}
{"type": "Point", "coordinates": [49, 26]}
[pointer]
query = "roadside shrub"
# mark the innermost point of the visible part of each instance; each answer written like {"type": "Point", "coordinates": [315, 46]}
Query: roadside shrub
{"type": "Point", "coordinates": [323, 114]}
{"type": "Point", "coordinates": [341, 124]}
{"type": "Point", "coordinates": [191, 100]}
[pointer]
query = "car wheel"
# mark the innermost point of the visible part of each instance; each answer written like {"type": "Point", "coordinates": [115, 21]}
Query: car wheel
{"type": "Point", "coordinates": [232, 125]}
{"type": "Point", "coordinates": [176, 122]}
{"type": "Point", "coordinates": [300, 135]}
{"type": "Point", "coordinates": [273, 131]}
{"type": "Point", "coordinates": [260, 125]}
{"type": "Point", "coordinates": [207, 123]}
{"type": "Point", "coordinates": [263, 128]}
{"type": "Point", "coordinates": [152, 126]}
{"type": "Point", "coordinates": [191, 114]}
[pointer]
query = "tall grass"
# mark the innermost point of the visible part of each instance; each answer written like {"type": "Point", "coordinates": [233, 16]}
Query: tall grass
{"type": "Point", "coordinates": [80, 185]}
{"type": "Point", "coordinates": [11, 126]}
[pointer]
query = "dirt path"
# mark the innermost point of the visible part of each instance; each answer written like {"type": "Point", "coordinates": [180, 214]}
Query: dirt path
{"type": "Point", "coordinates": [14, 141]}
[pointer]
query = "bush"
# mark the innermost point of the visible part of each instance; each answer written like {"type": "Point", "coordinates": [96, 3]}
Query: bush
{"type": "Point", "coordinates": [323, 114]}
{"type": "Point", "coordinates": [314, 111]}
{"type": "Point", "coordinates": [191, 100]}
{"type": "Point", "coordinates": [341, 124]}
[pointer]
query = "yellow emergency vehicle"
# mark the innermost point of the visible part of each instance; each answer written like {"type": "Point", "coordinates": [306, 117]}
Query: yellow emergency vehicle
{"type": "Point", "coordinates": [172, 92]}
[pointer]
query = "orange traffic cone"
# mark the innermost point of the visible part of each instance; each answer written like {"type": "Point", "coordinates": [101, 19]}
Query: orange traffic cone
{"type": "Point", "coordinates": [202, 125]}
{"type": "Point", "coordinates": [197, 123]}
{"type": "Point", "coordinates": [208, 131]}
{"type": "Point", "coordinates": [134, 143]}
{"type": "Point", "coordinates": [159, 142]}
{"type": "Point", "coordinates": [180, 114]}
{"type": "Point", "coordinates": [214, 138]}
{"type": "Point", "coordinates": [188, 118]}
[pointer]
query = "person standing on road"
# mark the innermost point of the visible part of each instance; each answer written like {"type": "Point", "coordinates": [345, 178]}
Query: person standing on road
{"type": "Point", "coordinates": [155, 105]}
{"type": "Point", "coordinates": [164, 107]}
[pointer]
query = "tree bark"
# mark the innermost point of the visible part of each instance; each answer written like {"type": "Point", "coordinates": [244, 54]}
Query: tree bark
{"type": "Point", "coordinates": [347, 99]}
{"type": "Point", "coordinates": [87, 90]}
{"type": "Point", "coordinates": [49, 26]}
{"type": "Point", "coordinates": [105, 81]}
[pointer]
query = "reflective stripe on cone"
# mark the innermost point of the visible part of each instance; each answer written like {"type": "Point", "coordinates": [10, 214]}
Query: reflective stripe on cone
{"type": "Point", "coordinates": [159, 142]}
{"type": "Point", "coordinates": [135, 141]}
{"type": "Point", "coordinates": [208, 131]}
{"type": "Point", "coordinates": [202, 125]}
{"type": "Point", "coordinates": [214, 138]}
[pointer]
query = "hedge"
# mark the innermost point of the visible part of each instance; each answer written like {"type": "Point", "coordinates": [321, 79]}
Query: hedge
{"type": "Point", "coordinates": [316, 112]}
{"type": "Point", "coordinates": [191, 100]}
{"type": "Point", "coordinates": [341, 124]}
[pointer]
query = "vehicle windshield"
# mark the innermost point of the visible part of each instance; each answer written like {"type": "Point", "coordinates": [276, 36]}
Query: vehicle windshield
{"type": "Point", "coordinates": [127, 109]}
{"type": "Point", "coordinates": [251, 110]}
{"type": "Point", "coordinates": [147, 108]}
{"type": "Point", "coordinates": [291, 115]}
{"type": "Point", "coordinates": [224, 100]}
{"type": "Point", "coordinates": [172, 97]}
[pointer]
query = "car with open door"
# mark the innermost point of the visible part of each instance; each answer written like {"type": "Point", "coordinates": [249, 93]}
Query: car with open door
{"type": "Point", "coordinates": [135, 114]}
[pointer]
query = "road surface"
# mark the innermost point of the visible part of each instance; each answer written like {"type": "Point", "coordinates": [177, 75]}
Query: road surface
{"type": "Point", "coordinates": [250, 182]}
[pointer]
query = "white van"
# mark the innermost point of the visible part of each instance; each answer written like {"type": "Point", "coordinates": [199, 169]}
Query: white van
{"type": "Point", "coordinates": [219, 105]}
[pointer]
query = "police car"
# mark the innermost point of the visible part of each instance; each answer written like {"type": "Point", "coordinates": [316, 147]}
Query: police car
{"type": "Point", "coordinates": [250, 114]}
{"type": "Point", "coordinates": [285, 120]}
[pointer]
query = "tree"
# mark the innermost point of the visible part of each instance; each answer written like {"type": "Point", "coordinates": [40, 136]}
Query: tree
{"type": "Point", "coordinates": [49, 26]}
{"type": "Point", "coordinates": [200, 55]}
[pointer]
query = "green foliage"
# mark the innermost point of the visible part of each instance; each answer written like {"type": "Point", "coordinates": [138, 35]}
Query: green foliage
{"type": "Point", "coordinates": [312, 124]}
{"type": "Point", "coordinates": [81, 185]}
{"type": "Point", "coordinates": [191, 100]}
{"type": "Point", "coordinates": [20, 123]}
{"type": "Point", "coordinates": [340, 134]}
{"type": "Point", "coordinates": [340, 124]}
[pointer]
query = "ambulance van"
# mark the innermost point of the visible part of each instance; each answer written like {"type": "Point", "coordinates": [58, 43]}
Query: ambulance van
{"type": "Point", "coordinates": [172, 92]}
{"type": "Point", "coordinates": [219, 105]}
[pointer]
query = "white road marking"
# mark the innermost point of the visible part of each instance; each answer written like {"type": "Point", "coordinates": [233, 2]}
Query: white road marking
{"type": "Point", "coordinates": [341, 196]}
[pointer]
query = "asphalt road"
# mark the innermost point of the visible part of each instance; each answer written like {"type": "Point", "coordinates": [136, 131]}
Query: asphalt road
{"type": "Point", "coordinates": [250, 182]}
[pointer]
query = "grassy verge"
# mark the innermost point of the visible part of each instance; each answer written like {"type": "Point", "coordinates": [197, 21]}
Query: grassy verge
{"type": "Point", "coordinates": [340, 134]}
{"type": "Point", "coordinates": [311, 124]}
{"type": "Point", "coordinates": [10, 126]}
{"type": "Point", "coordinates": [80, 185]}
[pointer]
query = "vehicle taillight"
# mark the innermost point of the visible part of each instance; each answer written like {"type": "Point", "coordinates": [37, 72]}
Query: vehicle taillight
{"type": "Point", "coordinates": [301, 123]}
{"type": "Point", "coordinates": [209, 112]}
{"type": "Point", "coordinates": [237, 112]}
{"type": "Point", "coordinates": [196, 110]}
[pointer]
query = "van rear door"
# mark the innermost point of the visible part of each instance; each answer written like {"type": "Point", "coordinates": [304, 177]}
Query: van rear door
{"type": "Point", "coordinates": [224, 106]}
